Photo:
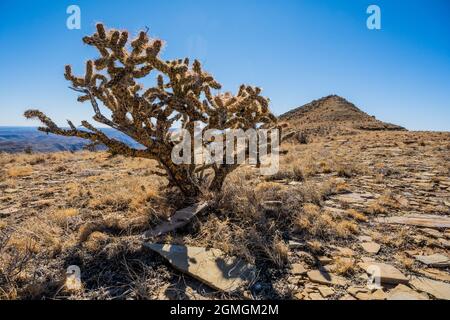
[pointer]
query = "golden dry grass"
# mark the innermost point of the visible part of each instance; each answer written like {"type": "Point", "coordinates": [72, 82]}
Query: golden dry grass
{"type": "Point", "coordinates": [356, 215]}
{"type": "Point", "coordinates": [19, 171]}
{"type": "Point", "coordinates": [315, 222]}
{"type": "Point", "coordinates": [344, 266]}
{"type": "Point", "coordinates": [60, 216]}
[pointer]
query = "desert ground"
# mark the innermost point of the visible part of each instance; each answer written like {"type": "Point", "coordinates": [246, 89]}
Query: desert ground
{"type": "Point", "coordinates": [338, 204]}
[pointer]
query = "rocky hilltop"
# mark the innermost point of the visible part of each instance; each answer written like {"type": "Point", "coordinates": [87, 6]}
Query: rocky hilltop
{"type": "Point", "coordinates": [333, 115]}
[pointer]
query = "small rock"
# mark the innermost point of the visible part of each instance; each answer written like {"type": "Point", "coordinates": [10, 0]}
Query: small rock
{"type": "Point", "coordinates": [402, 292]}
{"type": "Point", "coordinates": [294, 280]}
{"type": "Point", "coordinates": [273, 202]}
{"type": "Point", "coordinates": [412, 253]}
{"type": "Point", "coordinates": [434, 260]}
{"type": "Point", "coordinates": [347, 297]}
{"type": "Point", "coordinates": [435, 274]}
{"type": "Point", "coordinates": [326, 291]}
{"type": "Point", "coordinates": [247, 294]}
{"type": "Point", "coordinates": [371, 247]}
{"type": "Point", "coordinates": [355, 290]}
{"type": "Point", "coordinates": [432, 232]}
{"type": "Point", "coordinates": [298, 269]}
{"type": "Point", "coordinates": [363, 296]}
{"type": "Point", "coordinates": [365, 238]}
{"type": "Point", "coordinates": [299, 296]}
{"type": "Point", "coordinates": [325, 278]}
{"type": "Point", "coordinates": [438, 289]}
{"type": "Point", "coordinates": [324, 260]}
{"type": "Point", "coordinates": [315, 296]}
{"type": "Point", "coordinates": [295, 244]}
{"type": "Point", "coordinates": [10, 191]}
{"type": "Point", "coordinates": [387, 273]}
{"type": "Point", "coordinates": [367, 259]}
{"type": "Point", "coordinates": [367, 295]}
{"type": "Point", "coordinates": [378, 295]}
{"type": "Point", "coordinates": [445, 243]}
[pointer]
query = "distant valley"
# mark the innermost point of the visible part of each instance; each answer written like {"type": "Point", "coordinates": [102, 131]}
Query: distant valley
{"type": "Point", "coordinates": [20, 139]}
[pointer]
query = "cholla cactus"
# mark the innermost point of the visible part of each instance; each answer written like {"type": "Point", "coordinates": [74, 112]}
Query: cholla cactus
{"type": "Point", "coordinates": [183, 94]}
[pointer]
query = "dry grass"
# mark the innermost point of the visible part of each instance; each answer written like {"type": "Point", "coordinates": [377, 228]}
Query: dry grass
{"type": "Point", "coordinates": [344, 266]}
{"type": "Point", "coordinates": [383, 204]}
{"type": "Point", "coordinates": [315, 222]}
{"type": "Point", "coordinates": [19, 171]}
{"type": "Point", "coordinates": [405, 261]}
{"type": "Point", "coordinates": [95, 241]}
{"type": "Point", "coordinates": [356, 215]}
{"type": "Point", "coordinates": [37, 235]}
{"type": "Point", "coordinates": [278, 252]}
{"type": "Point", "coordinates": [128, 193]}
{"type": "Point", "coordinates": [61, 216]}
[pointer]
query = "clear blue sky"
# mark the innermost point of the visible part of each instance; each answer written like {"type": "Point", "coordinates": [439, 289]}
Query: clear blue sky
{"type": "Point", "coordinates": [296, 51]}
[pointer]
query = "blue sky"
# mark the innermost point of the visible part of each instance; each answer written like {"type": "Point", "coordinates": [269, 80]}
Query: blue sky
{"type": "Point", "coordinates": [296, 51]}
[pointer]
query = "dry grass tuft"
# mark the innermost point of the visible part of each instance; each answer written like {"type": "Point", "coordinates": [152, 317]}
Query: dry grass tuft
{"type": "Point", "coordinates": [61, 216]}
{"type": "Point", "coordinates": [344, 266]}
{"type": "Point", "coordinates": [19, 171]}
{"type": "Point", "coordinates": [277, 252]}
{"type": "Point", "coordinates": [317, 223]}
{"type": "Point", "coordinates": [356, 215]}
{"type": "Point", "coordinates": [95, 241]}
{"type": "Point", "coordinates": [376, 208]}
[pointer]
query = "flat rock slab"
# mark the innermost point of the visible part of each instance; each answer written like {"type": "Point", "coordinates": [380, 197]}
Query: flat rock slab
{"type": "Point", "coordinates": [8, 211]}
{"type": "Point", "coordinates": [435, 274]}
{"type": "Point", "coordinates": [354, 197]}
{"type": "Point", "coordinates": [295, 244]}
{"type": "Point", "coordinates": [376, 295]}
{"type": "Point", "coordinates": [438, 289]}
{"type": "Point", "coordinates": [432, 232]}
{"type": "Point", "coordinates": [386, 272]}
{"type": "Point", "coordinates": [371, 247]}
{"type": "Point", "coordinates": [178, 220]}
{"type": "Point", "coordinates": [365, 238]}
{"type": "Point", "coordinates": [434, 260]}
{"type": "Point", "coordinates": [445, 243]}
{"type": "Point", "coordinates": [298, 269]}
{"type": "Point", "coordinates": [210, 266]}
{"type": "Point", "coordinates": [10, 191]}
{"type": "Point", "coordinates": [402, 292]}
{"type": "Point", "coordinates": [323, 277]}
{"type": "Point", "coordinates": [326, 291]}
{"type": "Point", "coordinates": [420, 220]}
